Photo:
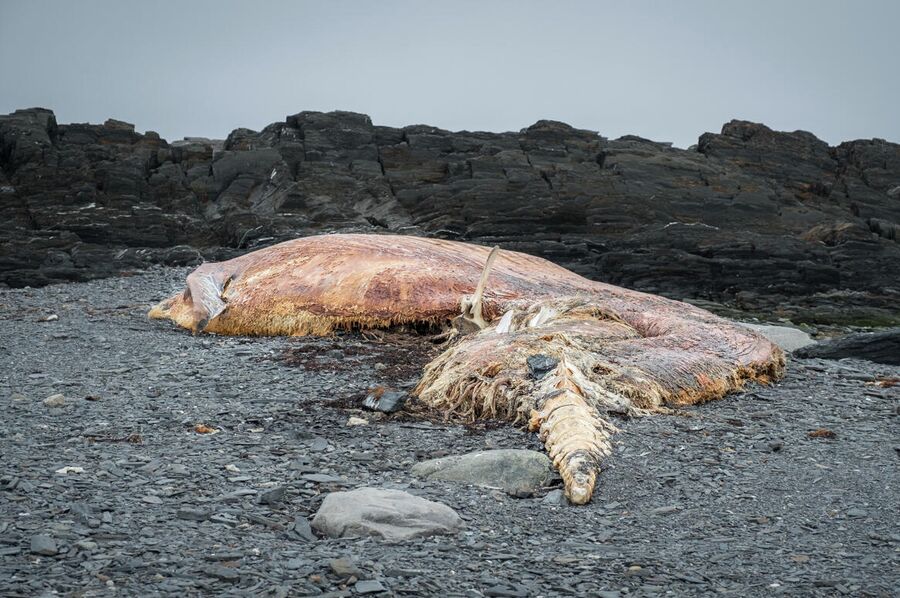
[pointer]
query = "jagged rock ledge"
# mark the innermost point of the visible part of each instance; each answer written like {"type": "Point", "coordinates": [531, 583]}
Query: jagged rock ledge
{"type": "Point", "coordinates": [773, 222]}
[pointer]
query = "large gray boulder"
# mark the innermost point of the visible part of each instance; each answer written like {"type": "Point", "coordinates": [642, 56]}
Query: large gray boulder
{"type": "Point", "coordinates": [786, 337]}
{"type": "Point", "coordinates": [393, 515]}
{"type": "Point", "coordinates": [518, 472]}
{"type": "Point", "coordinates": [881, 347]}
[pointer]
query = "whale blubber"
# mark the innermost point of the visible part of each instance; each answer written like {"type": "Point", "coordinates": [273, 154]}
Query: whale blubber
{"type": "Point", "coordinates": [615, 350]}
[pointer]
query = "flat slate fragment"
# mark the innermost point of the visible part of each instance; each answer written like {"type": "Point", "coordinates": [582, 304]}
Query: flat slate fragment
{"type": "Point", "coordinates": [222, 572]}
{"type": "Point", "coordinates": [192, 514]}
{"type": "Point", "coordinates": [44, 545]}
{"type": "Point", "coordinates": [369, 586]}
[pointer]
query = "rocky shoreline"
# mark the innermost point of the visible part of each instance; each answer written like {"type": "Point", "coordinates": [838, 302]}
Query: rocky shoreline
{"type": "Point", "coordinates": [108, 484]}
{"type": "Point", "coordinates": [775, 223]}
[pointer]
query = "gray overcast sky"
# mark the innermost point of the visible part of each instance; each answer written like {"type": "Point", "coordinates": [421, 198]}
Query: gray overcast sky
{"type": "Point", "coordinates": [664, 70]}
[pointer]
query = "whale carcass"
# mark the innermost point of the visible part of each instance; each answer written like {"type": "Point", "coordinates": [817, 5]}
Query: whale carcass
{"type": "Point", "coordinates": [532, 342]}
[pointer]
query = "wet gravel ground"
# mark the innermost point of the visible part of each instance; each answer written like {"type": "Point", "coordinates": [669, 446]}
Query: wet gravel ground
{"type": "Point", "coordinates": [735, 499]}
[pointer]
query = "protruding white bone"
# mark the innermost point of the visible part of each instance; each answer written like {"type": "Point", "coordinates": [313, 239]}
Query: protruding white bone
{"type": "Point", "coordinates": [541, 316]}
{"type": "Point", "coordinates": [504, 326]}
{"type": "Point", "coordinates": [471, 306]}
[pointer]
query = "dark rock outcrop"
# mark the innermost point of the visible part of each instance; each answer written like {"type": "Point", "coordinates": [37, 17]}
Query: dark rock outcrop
{"type": "Point", "coordinates": [778, 223]}
{"type": "Point", "coordinates": [880, 347]}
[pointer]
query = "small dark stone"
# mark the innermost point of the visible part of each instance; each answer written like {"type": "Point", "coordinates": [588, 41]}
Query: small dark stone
{"type": "Point", "coordinates": [225, 556]}
{"type": "Point", "coordinates": [222, 572]}
{"type": "Point", "coordinates": [323, 478]}
{"type": "Point", "coordinates": [540, 365]}
{"type": "Point", "coordinates": [506, 592]}
{"type": "Point", "coordinates": [399, 572]}
{"type": "Point", "coordinates": [192, 514]}
{"type": "Point", "coordinates": [345, 567]}
{"type": "Point", "coordinates": [225, 519]}
{"type": "Point", "coordinates": [272, 496]}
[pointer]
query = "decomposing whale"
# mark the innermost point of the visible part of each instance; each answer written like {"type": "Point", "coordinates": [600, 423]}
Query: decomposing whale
{"type": "Point", "coordinates": [531, 342]}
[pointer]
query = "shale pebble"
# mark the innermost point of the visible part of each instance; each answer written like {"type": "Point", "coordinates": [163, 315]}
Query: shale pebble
{"type": "Point", "coordinates": [369, 586]}
{"type": "Point", "coordinates": [345, 567]}
{"type": "Point", "coordinates": [192, 514]}
{"type": "Point", "coordinates": [223, 573]}
{"type": "Point", "coordinates": [302, 530]}
{"type": "Point", "coordinates": [272, 496]}
{"type": "Point", "coordinates": [44, 545]}
{"type": "Point", "coordinates": [55, 400]}
{"type": "Point", "coordinates": [556, 498]}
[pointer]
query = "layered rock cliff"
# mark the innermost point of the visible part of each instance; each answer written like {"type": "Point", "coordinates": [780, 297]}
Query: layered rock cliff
{"type": "Point", "coordinates": [768, 221]}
